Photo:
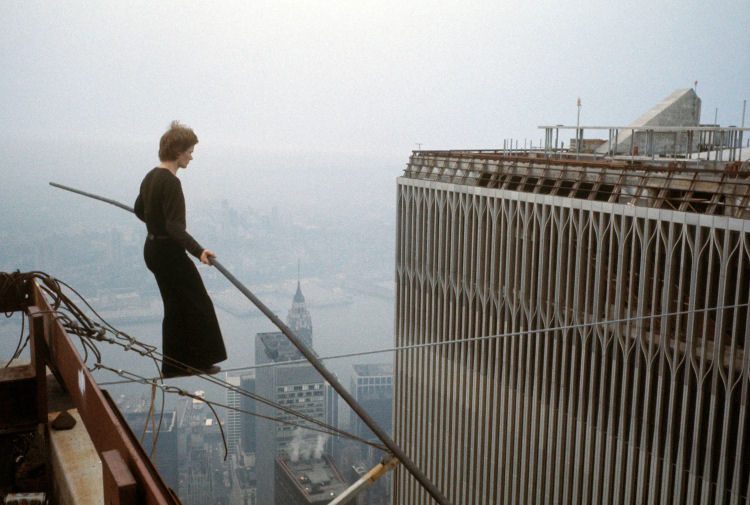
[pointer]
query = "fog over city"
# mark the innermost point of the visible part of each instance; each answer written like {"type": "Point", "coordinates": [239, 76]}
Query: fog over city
{"type": "Point", "coordinates": [306, 113]}
{"type": "Point", "coordinates": [366, 77]}
{"type": "Point", "coordinates": [317, 105]}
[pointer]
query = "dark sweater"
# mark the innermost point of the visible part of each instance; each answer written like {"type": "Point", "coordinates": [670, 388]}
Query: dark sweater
{"type": "Point", "coordinates": [161, 205]}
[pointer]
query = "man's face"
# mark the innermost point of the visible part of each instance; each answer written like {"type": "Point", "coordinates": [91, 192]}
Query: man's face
{"type": "Point", "coordinates": [184, 158]}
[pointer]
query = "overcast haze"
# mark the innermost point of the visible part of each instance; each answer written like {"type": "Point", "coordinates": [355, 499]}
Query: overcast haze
{"type": "Point", "coordinates": [314, 107]}
{"type": "Point", "coordinates": [366, 77]}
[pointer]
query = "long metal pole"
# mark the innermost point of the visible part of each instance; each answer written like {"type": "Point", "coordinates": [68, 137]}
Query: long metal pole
{"type": "Point", "coordinates": [742, 127]}
{"type": "Point", "coordinates": [314, 361]}
{"type": "Point", "coordinates": [95, 197]}
{"type": "Point", "coordinates": [364, 482]}
{"type": "Point", "coordinates": [579, 136]}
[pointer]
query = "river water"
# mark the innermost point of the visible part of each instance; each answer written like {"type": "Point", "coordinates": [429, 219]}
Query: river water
{"type": "Point", "coordinates": [363, 323]}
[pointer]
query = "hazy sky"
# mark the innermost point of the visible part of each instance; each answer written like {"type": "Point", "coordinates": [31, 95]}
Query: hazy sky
{"type": "Point", "coordinates": [360, 76]}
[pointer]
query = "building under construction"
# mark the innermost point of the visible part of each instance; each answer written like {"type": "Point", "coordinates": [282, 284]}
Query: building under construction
{"type": "Point", "coordinates": [573, 324]}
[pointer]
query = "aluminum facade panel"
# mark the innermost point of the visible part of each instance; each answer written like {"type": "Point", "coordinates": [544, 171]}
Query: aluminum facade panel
{"type": "Point", "coordinates": [569, 351]}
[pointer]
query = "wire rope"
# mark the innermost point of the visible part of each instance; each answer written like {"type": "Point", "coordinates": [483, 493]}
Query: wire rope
{"type": "Point", "coordinates": [487, 337]}
{"type": "Point", "coordinates": [75, 321]}
{"type": "Point", "coordinates": [173, 389]}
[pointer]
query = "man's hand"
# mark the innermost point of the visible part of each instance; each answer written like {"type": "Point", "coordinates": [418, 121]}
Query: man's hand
{"type": "Point", "coordinates": [206, 256]}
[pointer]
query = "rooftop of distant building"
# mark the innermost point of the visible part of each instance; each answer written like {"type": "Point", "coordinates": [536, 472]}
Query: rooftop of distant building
{"type": "Point", "coordinates": [278, 348]}
{"type": "Point", "coordinates": [373, 369]}
{"type": "Point", "coordinates": [315, 478]}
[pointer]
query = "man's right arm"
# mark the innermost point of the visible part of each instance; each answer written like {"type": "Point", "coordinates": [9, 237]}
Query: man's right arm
{"type": "Point", "coordinates": [138, 208]}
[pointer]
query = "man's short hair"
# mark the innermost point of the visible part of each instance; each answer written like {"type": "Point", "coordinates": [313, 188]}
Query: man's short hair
{"type": "Point", "coordinates": [175, 141]}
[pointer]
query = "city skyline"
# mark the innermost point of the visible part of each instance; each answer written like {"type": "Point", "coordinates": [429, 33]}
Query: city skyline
{"type": "Point", "coordinates": [307, 114]}
{"type": "Point", "coordinates": [558, 191]}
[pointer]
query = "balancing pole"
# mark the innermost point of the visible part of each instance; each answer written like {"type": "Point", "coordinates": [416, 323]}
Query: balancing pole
{"type": "Point", "coordinates": [314, 361]}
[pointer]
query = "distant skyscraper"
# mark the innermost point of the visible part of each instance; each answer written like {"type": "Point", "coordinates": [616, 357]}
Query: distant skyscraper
{"type": "Point", "coordinates": [247, 437]}
{"type": "Point", "coordinates": [202, 465]}
{"type": "Point", "coordinates": [296, 385]}
{"type": "Point", "coordinates": [240, 433]}
{"type": "Point", "coordinates": [298, 318]}
{"type": "Point", "coordinates": [578, 329]}
{"type": "Point", "coordinates": [165, 455]}
{"type": "Point", "coordinates": [240, 426]}
{"type": "Point", "coordinates": [372, 387]}
{"type": "Point", "coordinates": [234, 417]}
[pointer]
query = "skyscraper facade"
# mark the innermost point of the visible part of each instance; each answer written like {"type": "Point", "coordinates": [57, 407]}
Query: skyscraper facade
{"type": "Point", "coordinates": [240, 438]}
{"type": "Point", "coordinates": [575, 330]}
{"type": "Point", "coordinates": [372, 387]}
{"type": "Point", "coordinates": [294, 383]}
{"type": "Point", "coordinates": [240, 423]}
{"type": "Point", "coordinates": [202, 467]}
{"type": "Point", "coordinates": [234, 416]}
{"type": "Point", "coordinates": [247, 404]}
{"type": "Point", "coordinates": [162, 448]}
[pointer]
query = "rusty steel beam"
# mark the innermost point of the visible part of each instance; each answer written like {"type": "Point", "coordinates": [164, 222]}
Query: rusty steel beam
{"type": "Point", "coordinates": [107, 430]}
{"type": "Point", "coordinates": [645, 165]}
{"type": "Point", "coordinates": [669, 186]}
{"type": "Point", "coordinates": [119, 484]}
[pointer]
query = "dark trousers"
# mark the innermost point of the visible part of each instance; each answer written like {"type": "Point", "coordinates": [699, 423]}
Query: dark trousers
{"type": "Point", "coordinates": [190, 330]}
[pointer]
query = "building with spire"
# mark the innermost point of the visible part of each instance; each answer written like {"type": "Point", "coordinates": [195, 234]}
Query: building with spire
{"type": "Point", "coordinates": [298, 318]}
{"type": "Point", "coordinates": [289, 380]}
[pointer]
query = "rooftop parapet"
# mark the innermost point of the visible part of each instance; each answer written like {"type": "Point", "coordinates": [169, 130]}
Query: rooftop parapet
{"type": "Point", "coordinates": [687, 185]}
